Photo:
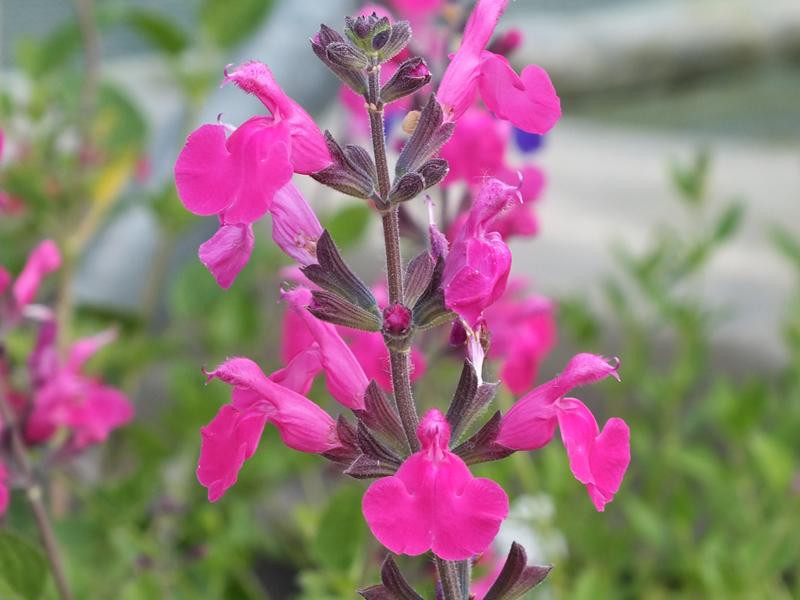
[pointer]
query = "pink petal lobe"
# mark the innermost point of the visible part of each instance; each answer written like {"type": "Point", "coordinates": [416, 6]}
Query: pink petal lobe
{"type": "Point", "coordinates": [83, 349]}
{"type": "Point", "coordinates": [260, 152]}
{"type": "Point", "coordinates": [295, 227]}
{"type": "Point", "coordinates": [227, 442]}
{"type": "Point", "coordinates": [299, 374]}
{"type": "Point", "coordinates": [529, 101]}
{"type": "Point", "coordinates": [205, 171]}
{"type": "Point", "coordinates": [434, 502]}
{"type": "Point", "coordinates": [598, 460]}
{"type": "Point", "coordinates": [227, 252]}
{"type": "Point", "coordinates": [477, 147]}
{"type": "Point", "coordinates": [43, 260]}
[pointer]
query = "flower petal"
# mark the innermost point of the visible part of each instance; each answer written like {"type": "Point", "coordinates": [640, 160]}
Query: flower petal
{"type": "Point", "coordinates": [529, 101]}
{"type": "Point", "coordinates": [295, 227]}
{"type": "Point", "coordinates": [344, 376]}
{"type": "Point", "coordinates": [43, 260]}
{"type": "Point", "coordinates": [205, 171]}
{"type": "Point", "coordinates": [227, 252]}
{"type": "Point", "coordinates": [598, 460]}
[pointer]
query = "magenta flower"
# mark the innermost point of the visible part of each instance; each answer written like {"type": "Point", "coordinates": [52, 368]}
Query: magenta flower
{"type": "Point", "coordinates": [295, 227]}
{"type": "Point", "coordinates": [344, 376]}
{"type": "Point", "coordinates": [4, 495]}
{"type": "Point", "coordinates": [233, 435]}
{"type": "Point", "coordinates": [520, 220]}
{"type": "Point", "coordinates": [43, 260]}
{"type": "Point", "coordinates": [479, 261]}
{"type": "Point", "coordinates": [598, 459]}
{"type": "Point", "coordinates": [477, 148]}
{"type": "Point", "coordinates": [67, 398]}
{"type": "Point", "coordinates": [227, 252]}
{"type": "Point", "coordinates": [523, 332]}
{"type": "Point", "coordinates": [433, 502]}
{"type": "Point", "coordinates": [238, 177]}
{"type": "Point", "coordinates": [528, 100]}
{"type": "Point", "coordinates": [416, 9]}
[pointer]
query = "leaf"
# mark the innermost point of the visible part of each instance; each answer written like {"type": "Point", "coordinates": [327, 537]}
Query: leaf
{"type": "Point", "coordinates": [228, 23]}
{"type": "Point", "coordinates": [23, 570]}
{"type": "Point", "coordinates": [728, 222]}
{"type": "Point", "coordinates": [341, 528]}
{"type": "Point", "coordinates": [159, 31]}
{"type": "Point", "coordinates": [348, 225]}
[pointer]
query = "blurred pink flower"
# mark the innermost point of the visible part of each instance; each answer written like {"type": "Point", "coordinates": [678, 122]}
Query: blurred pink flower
{"type": "Point", "coordinates": [597, 459]}
{"type": "Point", "coordinates": [233, 435]}
{"type": "Point", "coordinates": [4, 495]}
{"type": "Point", "coordinates": [479, 261]}
{"type": "Point", "coordinates": [43, 260]}
{"type": "Point", "coordinates": [528, 100]}
{"type": "Point", "coordinates": [523, 331]}
{"type": "Point", "coordinates": [66, 397]}
{"type": "Point", "coordinates": [477, 148]}
{"type": "Point", "coordinates": [433, 502]}
{"type": "Point", "coordinates": [416, 9]}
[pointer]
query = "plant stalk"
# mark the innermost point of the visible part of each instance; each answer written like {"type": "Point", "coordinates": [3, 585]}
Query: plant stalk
{"type": "Point", "coordinates": [400, 360]}
{"type": "Point", "coordinates": [33, 492]}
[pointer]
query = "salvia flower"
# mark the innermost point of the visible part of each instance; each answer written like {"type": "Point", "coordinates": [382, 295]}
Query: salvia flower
{"type": "Point", "coordinates": [238, 176]}
{"type": "Point", "coordinates": [295, 227]}
{"type": "Point", "coordinates": [598, 459]}
{"type": "Point", "coordinates": [479, 261]}
{"type": "Point", "coordinates": [433, 502]}
{"type": "Point", "coordinates": [344, 376]}
{"type": "Point", "coordinates": [232, 436]}
{"type": "Point", "coordinates": [66, 398]}
{"type": "Point", "coordinates": [528, 100]}
{"type": "Point", "coordinates": [43, 260]}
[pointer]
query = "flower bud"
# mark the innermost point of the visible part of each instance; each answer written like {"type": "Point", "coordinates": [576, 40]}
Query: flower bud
{"type": "Point", "coordinates": [354, 78]}
{"type": "Point", "coordinates": [396, 319]}
{"type": "Point", "coordinates": [410, 76]}
{"type": "Point", "coordinates": [364, 30]}
{"type": "Point", "coordinates": [346, 56]}
{"type": "Point", "coordinates": [406, 188]}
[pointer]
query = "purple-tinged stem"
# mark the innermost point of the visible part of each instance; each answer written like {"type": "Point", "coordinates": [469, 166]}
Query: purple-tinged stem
{"type": "Point", "coordinates": [33, 492]}
{"type": "Point", "coordinates": [399, 360]}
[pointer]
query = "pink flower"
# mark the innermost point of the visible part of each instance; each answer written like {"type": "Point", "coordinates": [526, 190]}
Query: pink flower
{"type": "Point", "coordinates": [65, 397]}
{"type": "Point", "coordinates": [433, 502]}
{"type": "Point", "coordinates": [4, 495]}
{"type": "Point", "coordinates": [523, 332]}
{"type": "Point", "coordinates": [233, 435]}
{"type": "Point", "coordinates": [43, 260]}
{"type": "Point", "coordinates": [477, 147]}
{"type": "Point", "coordinates": [529, 101]}
{"type": "Point", "coordinates": [344, 376]}
{"type": "Point", "coordinates": [227, 252]}
{"type": "Point", "coordinates": [236, 178]}
{"type": "Point", "coordinates": [478, 263]}
{"type": "Point", "coordinates": [417, 9]}
{"type": "Point", "coordinates": [520, 220]}
{"type": "Point", "coordinates": [295, 227]}
{"type": "Point", "coordinates": [597, 459]}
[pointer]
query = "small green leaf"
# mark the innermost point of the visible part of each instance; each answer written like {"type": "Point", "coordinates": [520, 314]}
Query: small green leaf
{"type": "Point", "coordinates": [229, 23]}
{"type": "Point", "coordinates": [157, 30]}
{"type": "Point", "coordinates": [348, 225]}
{"type": "Point", "coordinates": [23, 571]}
